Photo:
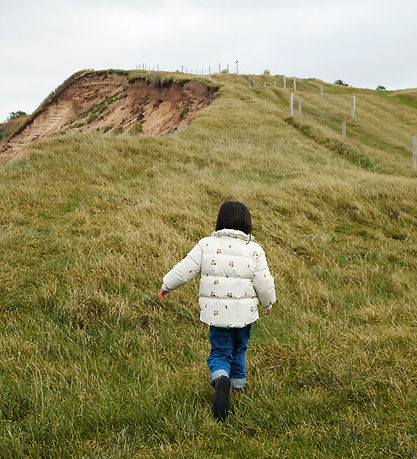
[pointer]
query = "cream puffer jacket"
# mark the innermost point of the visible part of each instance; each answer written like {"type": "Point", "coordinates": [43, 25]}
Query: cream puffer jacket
{"type": "Point", "coordinates": [234, 278]}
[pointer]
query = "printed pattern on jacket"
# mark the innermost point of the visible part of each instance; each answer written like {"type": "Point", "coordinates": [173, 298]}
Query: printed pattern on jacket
{"type": "Point", "coordinates": [234, 278]}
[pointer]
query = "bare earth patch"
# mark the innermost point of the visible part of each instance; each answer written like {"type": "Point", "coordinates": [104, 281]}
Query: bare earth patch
{"type": "Point", "coordinates": [110, 103]}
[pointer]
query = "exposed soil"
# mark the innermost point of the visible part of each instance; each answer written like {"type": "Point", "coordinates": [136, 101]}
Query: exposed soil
{"type": "Point", "coordinates": [110, 103]}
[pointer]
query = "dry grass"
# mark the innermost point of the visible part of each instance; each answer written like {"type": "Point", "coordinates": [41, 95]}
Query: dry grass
{"type": "Point", "coordinates": [93, 365]}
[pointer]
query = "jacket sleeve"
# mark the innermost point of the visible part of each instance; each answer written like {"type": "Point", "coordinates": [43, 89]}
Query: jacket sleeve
{"type": "Point", "coordinates": [263, 282]}
{"type": "Point", "coordinates": [185, 270]}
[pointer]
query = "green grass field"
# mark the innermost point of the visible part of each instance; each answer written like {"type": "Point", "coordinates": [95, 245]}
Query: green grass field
{"type": "Point", "coordinates": [92, 365]}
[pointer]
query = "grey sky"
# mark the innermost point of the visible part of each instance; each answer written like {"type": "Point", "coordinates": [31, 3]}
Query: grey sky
{"type": "Point", "coordinates": [365, 43]}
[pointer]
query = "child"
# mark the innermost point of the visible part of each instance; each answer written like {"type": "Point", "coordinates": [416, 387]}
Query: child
{"type": "Point", "coordinates": [234, 279]}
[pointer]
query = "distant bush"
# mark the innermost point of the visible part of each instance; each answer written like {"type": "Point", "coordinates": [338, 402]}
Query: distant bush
{"type": "Point", "coordinates": [155, 79]}
{"type": "Point", "coordinates": [108, 128]}
{"type": "Point", "coordinates": [380, 88]}
{"type": "Point", "coordinates": [14, 115]}
{"type": "Point", "coordinates": [76, 125]}
{"type": "Point", "coordinates": [267, 72]}
{"type": "Point", "coordinates": [341, 83]}
{"type": "Point", "coordinates": [184, 111]}
{"type": "Point", "coordinates": [144, 100]}
{"type": "Point", "coordinates": [137, 128]}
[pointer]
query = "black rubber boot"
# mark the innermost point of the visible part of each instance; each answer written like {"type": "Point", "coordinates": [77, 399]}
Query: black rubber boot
{"type": "Point", "coordinates": [221, 398]}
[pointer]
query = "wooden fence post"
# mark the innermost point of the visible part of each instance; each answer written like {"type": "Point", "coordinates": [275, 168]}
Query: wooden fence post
{"type": "Point", "coordinates": [321, 93]}
{"type": "Point", "coordinates": [299, 110]}
{"type": "Point", "coordinates": [285, 82]}
{"type": "Point", "coordinates": [264, 84]}
{"type": "Point", "coordinates": [344, 130]}
{"type": "Point", "coordinates": [292, 104]}
{"type": "Point", "coordinates": [352, 108]}
{"type": "Point", "coordinates": [275, 84]}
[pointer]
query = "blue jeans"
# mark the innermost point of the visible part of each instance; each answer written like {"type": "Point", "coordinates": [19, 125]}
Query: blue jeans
{"type": "Point", "coordinates": [228, 354]}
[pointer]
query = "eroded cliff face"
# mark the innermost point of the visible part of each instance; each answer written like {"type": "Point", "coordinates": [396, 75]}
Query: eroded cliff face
{"type": "Point", "coordinates": [108, 102]}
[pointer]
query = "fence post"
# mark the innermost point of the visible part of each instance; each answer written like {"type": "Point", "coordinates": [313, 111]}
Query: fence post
{"type": "Point", "coordinates": [415, 151]}
{"type": "Point", "coordinates": [275, 84]}
{"type": "Point", "coordinates": [264, 84]}
{"type": "Point", "coordinates": [321, 93]}
{"type": "Point", "coordinates": [285, 82]}
{"type": "Point", "coordinates": [344, 130]}
{"type": "Point", "coordinates": [352, 108]}
{"type": "Point", "coordinates": [299, 110]}
{"type": "Point", "coordinates": [292, 104]}
{"type": "Point", "coordinates": [295, 84]}
{"type": "Point", "coordinates": [220, 71]}
{"type": "Point", "coordinates": [209, 70]}
{"type": "Point", "coordinates": [227, 68]}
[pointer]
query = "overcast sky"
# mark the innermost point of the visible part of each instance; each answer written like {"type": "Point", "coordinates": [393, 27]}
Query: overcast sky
{"type": "Point", "coordinates": [363, 42]}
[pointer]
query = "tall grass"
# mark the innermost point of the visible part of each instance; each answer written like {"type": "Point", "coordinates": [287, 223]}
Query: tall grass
{"type": "Point", "coordinates": [93, 365]}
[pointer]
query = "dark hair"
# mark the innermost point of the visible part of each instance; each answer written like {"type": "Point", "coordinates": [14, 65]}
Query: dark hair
{"type": "Point", "coordinates": [234, 215]}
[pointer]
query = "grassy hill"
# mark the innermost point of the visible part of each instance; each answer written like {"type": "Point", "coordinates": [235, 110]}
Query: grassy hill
{"type": "Point", "coordinates": [93, 365]}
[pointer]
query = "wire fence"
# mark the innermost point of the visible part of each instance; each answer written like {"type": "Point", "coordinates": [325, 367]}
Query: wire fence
{"type": "Point", "coordinates": [278, 82]}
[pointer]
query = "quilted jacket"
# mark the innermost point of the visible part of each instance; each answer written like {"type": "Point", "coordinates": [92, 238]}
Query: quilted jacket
{"type": "Point", "coordinates": [234, 278]}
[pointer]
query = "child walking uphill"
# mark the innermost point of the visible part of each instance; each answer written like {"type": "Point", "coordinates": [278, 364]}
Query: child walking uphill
{"type": "Point", "coordinates": [234, 279]}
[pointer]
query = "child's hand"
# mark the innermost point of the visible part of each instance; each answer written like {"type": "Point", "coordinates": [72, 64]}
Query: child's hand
{"type": "Point", "coordinates": [267, 312]}
{"type": "Point", "coordinates": [162, 294]}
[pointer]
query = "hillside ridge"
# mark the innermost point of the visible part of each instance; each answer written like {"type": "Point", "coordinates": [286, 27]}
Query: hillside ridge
{"type": "Point", "coordinates": [111, 101]}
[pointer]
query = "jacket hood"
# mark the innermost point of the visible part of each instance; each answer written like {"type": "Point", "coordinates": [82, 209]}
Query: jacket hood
{"type": "Point", "coordinates": [233, 233]}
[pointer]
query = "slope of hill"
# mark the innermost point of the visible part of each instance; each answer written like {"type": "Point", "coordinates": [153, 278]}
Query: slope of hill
{"type": "Point", "coordinates": [111, 101]}
{"type": "Point", "coordinates": [94, 365]}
